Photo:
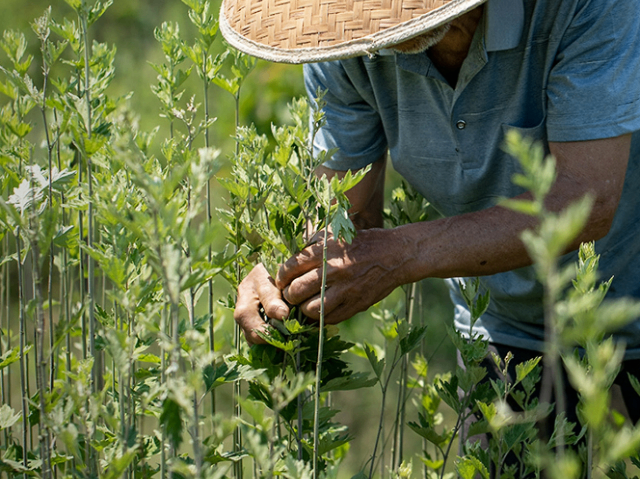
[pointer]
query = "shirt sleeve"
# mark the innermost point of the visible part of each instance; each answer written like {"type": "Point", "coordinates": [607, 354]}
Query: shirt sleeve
{"type": "Point", "coordinates": [352, 125]}
{"type": "Point", "coordinates": [593, 90]}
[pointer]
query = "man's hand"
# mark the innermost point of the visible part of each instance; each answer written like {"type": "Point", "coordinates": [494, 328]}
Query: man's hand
{"type": "Point", "coordinates": [358, 274]}
{"type": "Point", "coordinates": [256, 290]}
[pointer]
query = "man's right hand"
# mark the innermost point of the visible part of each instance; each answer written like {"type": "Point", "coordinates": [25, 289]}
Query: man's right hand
{"type": "Point", "coordinates": [258, 289]}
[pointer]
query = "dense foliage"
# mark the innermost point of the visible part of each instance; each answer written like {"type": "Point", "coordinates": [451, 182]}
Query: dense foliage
{"type": "Point", "coordinates": [118, 358]}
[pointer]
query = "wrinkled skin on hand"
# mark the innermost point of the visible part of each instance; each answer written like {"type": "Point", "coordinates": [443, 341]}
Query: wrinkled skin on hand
{"type": "Point", "coordinates": [258, 289]}
{"type": "Point", "coordinates": [358, 275]}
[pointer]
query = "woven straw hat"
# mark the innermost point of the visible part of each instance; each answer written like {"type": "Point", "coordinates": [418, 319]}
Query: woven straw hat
{"type": "Point", "coordinates": [303, 31]}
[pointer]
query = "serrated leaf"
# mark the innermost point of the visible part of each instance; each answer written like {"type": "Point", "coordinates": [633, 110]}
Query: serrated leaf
{"type": "Point", "coordinates": [413, 339]}
{"type": "Point", "coordinates": [523, 369]}
{"type": "Point", "coordinates": [430, 434]}
{"type": "Point", "coordinates": [376, 364]}
{"type": "Point", "coordinates": [348, 383]}
{"type": "Point", "coordinates": [468, 466]}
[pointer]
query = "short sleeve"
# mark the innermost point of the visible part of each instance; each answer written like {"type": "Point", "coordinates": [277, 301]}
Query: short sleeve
{"type": "Point", "coordinates": [593, 90]}
{"type": "Point", "coordinates": [353, 125]}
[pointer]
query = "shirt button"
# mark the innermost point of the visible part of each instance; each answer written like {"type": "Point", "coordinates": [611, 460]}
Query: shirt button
{"type": "Point", "coordinates": [461, 124]}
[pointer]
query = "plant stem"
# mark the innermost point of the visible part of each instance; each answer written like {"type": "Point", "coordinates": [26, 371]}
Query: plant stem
{"type": "Point", "coordinates": [212, 342]}
{"type": "Point", "coordinates": [50, 147]}
{"type": "Point", "coordinates": [316, 417]}
{"type": "Point", "coordinates": [7, 318]}
{"type": "Point", "coordinates": [23, 372]}
{"type": "Point", "coordinates": [163, 380]}
{"type": "Point", "coordinates": [237, 391]}
{"type": "Point", "coordinates": [41, 363]}
{"type": "Point", "coordinates": [300, 399]}
{"type": "Point", "coordinates": [4, 326]}
{"type": "Point", "coordinates": [90, 262]}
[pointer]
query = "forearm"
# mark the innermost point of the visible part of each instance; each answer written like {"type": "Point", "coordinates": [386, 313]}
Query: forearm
{"type": "Point", "coordinates": [489, 241]}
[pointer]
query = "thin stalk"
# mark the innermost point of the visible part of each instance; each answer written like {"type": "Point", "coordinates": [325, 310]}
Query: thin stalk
{"type": "Point", "coordinates": [590, 455]}
{"type": "Point", "coordinates": [384, 388]}
{"type": "Point", "coordinates": [175, 356]}
{"type": "Point", "coordinates": [411, 302]}
{"type": "Point", "coordinates": [163, 380]}
{"type": "Point", "coordinates": [237, 390]}
{"type": "Point", "coordinates": [300, 399]}
{"type": "Point", "coordinates": [50, 146]}
{"type": "Point", "coordinates": [500, 456]}
{"type": "Point", "coordinates": [197, 454]}
{"type": "Point", "coordinates": [121, 401]}
{"type": "Point", "coordinates": [64, 271]}
{"type": "Point", "coordinates": [41, 363]}
{"type": "Point", "coordinates": [316, 415]}
{"type": "Point", "coordinates": [212, 342]}
{"type": "Point", "coordinates": [7, 318]}
{"type": "Point", "coordinates": [398, 433]}
{"type": "Point", "coordinates": [552, 378]}
{"type": "Point", "coordinates": [90, 263]}
{"type": "Point", "coordinates": [23, 372]}
{"type": "Point", "coordinates": [4, 326]}
{"type": "Point", "coordinates": [81, 263]}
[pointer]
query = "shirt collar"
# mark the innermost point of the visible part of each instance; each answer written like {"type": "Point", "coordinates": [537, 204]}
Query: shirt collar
{"type": "Point", "coordinates": [501, 28]}
{"type": "Point", "coordinates": [504, 24]}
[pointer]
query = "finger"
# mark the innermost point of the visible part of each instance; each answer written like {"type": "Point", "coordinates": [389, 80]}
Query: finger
{"type": "Point", "coordinates": [247, 315]}
{"type": "Point", "coordinates": [255, 291]}
{"type": "Point", "coordinates": [332, 302]}
{"type": "Point", "coordinates": [309, 258]}
{"type": "Point", "coordinates": [270, 298]}
{"type": "Point", "coordinates": [303, 287]}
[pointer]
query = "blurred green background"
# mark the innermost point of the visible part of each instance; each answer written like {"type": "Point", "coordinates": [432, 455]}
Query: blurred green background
{"type": "Point", "coordinates": [129, 26]}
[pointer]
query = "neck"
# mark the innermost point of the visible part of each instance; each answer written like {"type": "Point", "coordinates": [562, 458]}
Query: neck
{"type": "Point", "coordinates": [450, 52]}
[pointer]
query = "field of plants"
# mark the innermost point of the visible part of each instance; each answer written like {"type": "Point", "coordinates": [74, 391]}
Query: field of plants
{"type": "Point", "coordinates": [143, 176]}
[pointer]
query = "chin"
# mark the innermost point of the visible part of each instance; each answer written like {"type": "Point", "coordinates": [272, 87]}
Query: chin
{"type": "Point", "coordinates": [423, 42]}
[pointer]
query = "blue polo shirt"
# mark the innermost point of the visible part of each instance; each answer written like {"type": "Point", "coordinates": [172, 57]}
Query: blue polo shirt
{"type": "Point", "coordinates": [555, 71]}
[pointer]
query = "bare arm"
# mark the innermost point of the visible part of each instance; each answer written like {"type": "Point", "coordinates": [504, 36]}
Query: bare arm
{"type": "Point", "coordinates": [480, 243]}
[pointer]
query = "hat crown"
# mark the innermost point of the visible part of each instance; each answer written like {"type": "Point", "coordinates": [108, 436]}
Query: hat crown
{"type": "Point", "coordinates": [298, 31]}
{"type": "Point", "coordinates": [320, 23]}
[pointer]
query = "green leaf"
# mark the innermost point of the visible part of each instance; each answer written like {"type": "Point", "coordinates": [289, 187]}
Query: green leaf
{"type": "Point", "coordinates": [468, 466]}
{"type": "Point", "coordinates": [430, 434]}
{"type": "Point", "coordinates": [634, 383]}
{"type": "Point", "coordinates": [523, 369]}
{"type": "Point", "coordinates": [531, 208]}
{"type": "Point", "coordinates": [8, 417]}
{"type": "Point", "coordinates": [348, 383]}
{"type": "Point", "coordinates": [171, 420]}
{"type": "Point", "coordinates": [376, 364]}
{"type": "Point", "coordinates": [431, 464]}
{"type": "Point", "coordinates": [9, 357]}
{"type": "Point", "coordinates": [117, 465]}
{"type": "Point", "coordinates": [341, 225]}
{"type": "Point", "coordinates": [413, 339]}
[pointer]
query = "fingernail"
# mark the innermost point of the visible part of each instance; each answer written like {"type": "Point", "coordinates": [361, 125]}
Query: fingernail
{"type": "Point", "coordinates": [282, 312]}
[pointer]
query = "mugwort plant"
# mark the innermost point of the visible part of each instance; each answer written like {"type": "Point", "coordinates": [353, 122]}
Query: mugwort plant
{"type": "Point", "coordinates": [118, 357]}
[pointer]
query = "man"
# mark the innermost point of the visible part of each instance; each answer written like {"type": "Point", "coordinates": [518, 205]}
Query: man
{"type": "Point", "coordinates": [565, 73]}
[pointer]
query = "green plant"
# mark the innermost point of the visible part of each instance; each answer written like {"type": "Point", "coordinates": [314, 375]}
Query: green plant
{"type": "Point", "coordinates": [117, 358]}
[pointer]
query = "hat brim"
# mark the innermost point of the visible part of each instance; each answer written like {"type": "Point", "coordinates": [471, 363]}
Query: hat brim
{"type": "Point", "coordinates": [368, 44]}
